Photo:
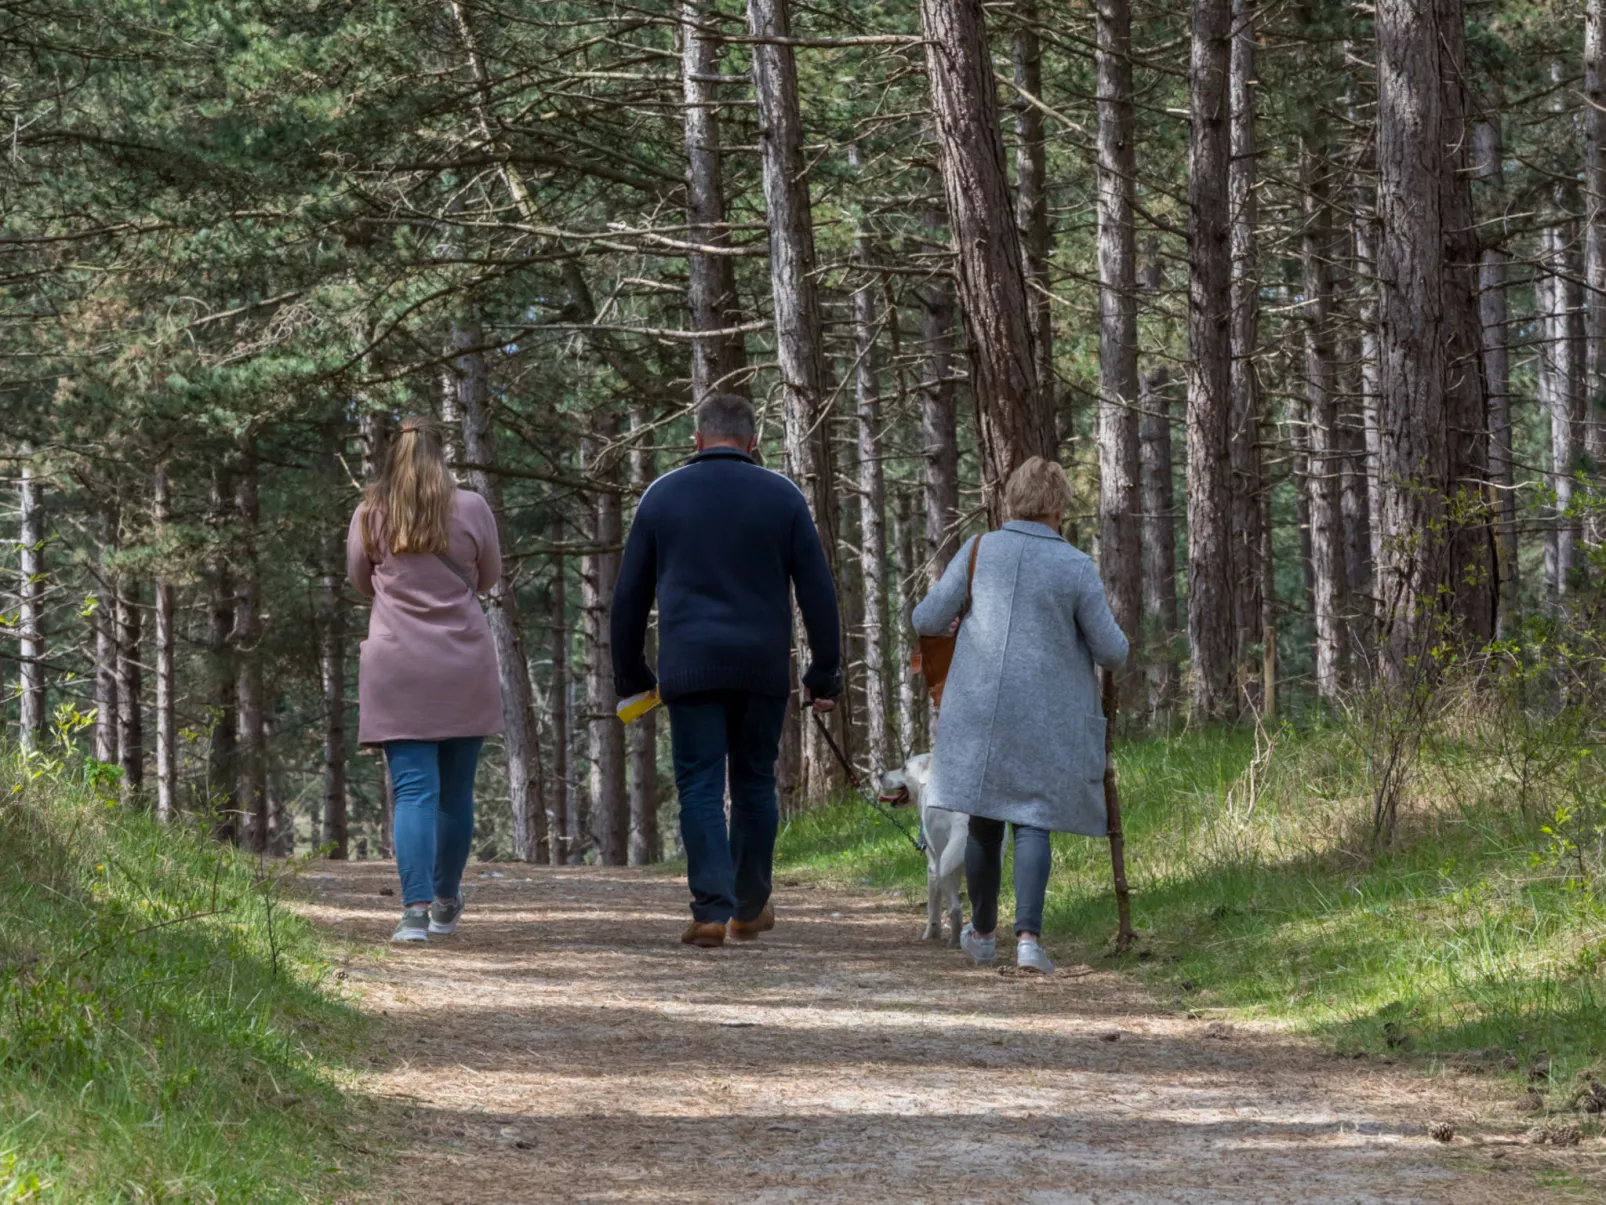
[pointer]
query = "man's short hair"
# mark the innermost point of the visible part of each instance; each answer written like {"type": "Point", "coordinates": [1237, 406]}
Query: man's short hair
{"type": "Point", "coordinates": [726, 418]}
{"type": "Point", "coordinates": [1036, 490]}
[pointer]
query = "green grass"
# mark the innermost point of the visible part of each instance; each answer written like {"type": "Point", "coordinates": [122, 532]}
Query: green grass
{"type": "Point", "coordinates": [166, 1028]}
{"type": "Point", "coordinates": [1467, 935]}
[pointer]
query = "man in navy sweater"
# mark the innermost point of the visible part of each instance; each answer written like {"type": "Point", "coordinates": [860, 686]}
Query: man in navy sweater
{"type": "Point", "coordinates": [722, 543]}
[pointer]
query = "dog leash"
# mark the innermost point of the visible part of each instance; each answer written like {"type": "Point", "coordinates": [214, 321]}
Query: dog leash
{"type": "Point", "coordinates": [853, 781]}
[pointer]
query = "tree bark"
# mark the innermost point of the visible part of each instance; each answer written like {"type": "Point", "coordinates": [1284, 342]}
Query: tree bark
{"type": "Point", "coordinates": [646, 846]}
{"type": "Point", "coordinates": [1159, 541]}
{"type": "Point", "coordinates": [31, 601]}
{"type": "Point", "coordinates": [334, 613]}
{"type": "Point", "coordinates": [899, 607]}
{"type": "Point", "coordinates": [247, 637]}
{"type": "Point", "coordinates": [1244, 379]}
{"type": "Point", "coordinates": [520, 740]}
{"type": "Point", "coordinates": [1430, 401]}
{"type": "Point", "coordinates": [1494, 322]}
{"type": "Point", "coordinates": [1560, 394]}
{"type": "Point", "coordinates": [1012, 421]}
{"type": "Point", "coordinates": [166, 664]}
{"type": "Point", "coordinates": [939, 425]}
{"type": "Point", "coordinates": [565, 850]}
{"type": "Point", "coordinates": [798, 330]}
{"type": "Point", "coordinates": [1031, 196]}
{"type": "Point", "coordinates": [1211, 642]}
{"type": "Point", "coordinates": [105, 619]}
{"type": "Point", "coordinates": [223, 762]}
{"type": "Point", "coordinates": [1120, 548]}
{"type": "Point", "coordinates": [130, 685]}
{"type": "Point", "coordinates": [1595, 249]}
{"type": "Point", "coordinates": [872, 519]}
{"type": "Point", "coordinates": [610, 803]}
{"type": "Point", "coordinates": [717, 361]}
{"type": "Point", "coordinates": [1324, 472]}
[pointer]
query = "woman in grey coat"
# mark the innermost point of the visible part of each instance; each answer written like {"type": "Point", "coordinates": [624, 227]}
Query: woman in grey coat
{"type": "Point", "coordinates": [1020, 735]}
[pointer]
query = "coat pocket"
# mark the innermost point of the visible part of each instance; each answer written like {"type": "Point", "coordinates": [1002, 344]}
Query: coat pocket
{"type": "Point", "coordinates": [1093, 748]}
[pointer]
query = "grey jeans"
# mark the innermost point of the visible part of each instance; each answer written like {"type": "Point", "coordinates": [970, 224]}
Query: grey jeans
{"type": "Point", "coordinates": [984, 871]}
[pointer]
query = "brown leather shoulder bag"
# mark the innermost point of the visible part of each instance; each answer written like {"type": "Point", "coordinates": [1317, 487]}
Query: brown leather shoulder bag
{"type": "Point", "coordinates": [935, 654]}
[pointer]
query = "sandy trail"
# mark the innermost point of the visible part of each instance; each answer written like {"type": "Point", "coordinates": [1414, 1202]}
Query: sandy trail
{"type": "Point", "coordinates": [563, 1047]}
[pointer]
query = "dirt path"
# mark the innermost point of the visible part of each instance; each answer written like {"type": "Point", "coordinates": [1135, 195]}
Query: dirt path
{"type": "Point", "coordinates": [564, 1048]}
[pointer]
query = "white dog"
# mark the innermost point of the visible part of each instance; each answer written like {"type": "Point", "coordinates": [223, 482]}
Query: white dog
{"type": "Point", "coordinates": [946, 834]}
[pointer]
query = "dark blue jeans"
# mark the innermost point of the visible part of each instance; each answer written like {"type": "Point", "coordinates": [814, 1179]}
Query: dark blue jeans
{"type": "Point", "coordinates": [434, 786]}
{"type": "Point", "coordinates": [713, 734]}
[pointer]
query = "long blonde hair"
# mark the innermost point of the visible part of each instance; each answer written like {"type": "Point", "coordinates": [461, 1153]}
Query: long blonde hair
{"type": "Point", "coordinates": [413, 498]}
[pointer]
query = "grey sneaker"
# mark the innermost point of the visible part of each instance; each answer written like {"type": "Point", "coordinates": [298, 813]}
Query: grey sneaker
{"type": "Point", "coordinates": [414, 925]}
{"type": "Point", "coordinates": [444, 915]}
{"type": "Point", "coordinates": [1030, 956]}
{"type": "Point", "coordinates": [981, 949]}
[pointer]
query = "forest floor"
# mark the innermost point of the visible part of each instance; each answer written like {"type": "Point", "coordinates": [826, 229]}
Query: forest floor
{"type": "Point", "coordinates": [563, 1046]}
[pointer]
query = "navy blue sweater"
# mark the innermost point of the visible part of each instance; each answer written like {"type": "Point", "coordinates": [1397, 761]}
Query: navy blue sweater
{"type": "Point", "coordinates": [721, 543]}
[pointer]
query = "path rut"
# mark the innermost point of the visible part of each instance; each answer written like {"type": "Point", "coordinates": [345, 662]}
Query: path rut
{"type": "Point", "coordinates": [563, 1047]}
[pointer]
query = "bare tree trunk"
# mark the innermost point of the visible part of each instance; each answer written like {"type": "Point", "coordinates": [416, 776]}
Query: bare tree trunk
{"type": "Point", "coordinates": [1159, 542]}
{"type": "Point", "coordinates": [520, 740]}
{"type": "Point", "coordinates": [939, 427]}
{"type": "Point", "coordinates": [166, 668]}
{"type": "Point", "coordinates": [1364, 230]}
{"type": "Point", "coordinates": [1594, 250]}
{"type": "Point", "coordinates": [798, 331]}
{"type": "Point", "coordinates": [105, 620]}
{"type": "Point", "coordinates": [1013, 423]}
{"type": "Point", "coordinates": [1492, 313]}
{"type": "Point", "coordinates": [872, 519]}
{"type": "Point", "coordinates": [1244, 379]}
{"type": "Point", "coordinates": [899, 607]}
{"type": "Point", "coordinates": [131, 685]}
{"type": "Point", "coordinates": [248, 661]}
{"type": "Point", "coordinates": [1211, 641]}
{"type": "Point", "coordinates": [31, 600]}
{"type": "Point", "coordinates": [646, 847]}
{"type": "Point", "coordinates": [334, 612]}
{"type": "Point", "coordinates": [1324, 474]}
{"type": "Point", "coordinates": [1559, 393]}
{"type": "Point", "coordinates": [1031, 196]}
{"type": "Point", "coordinates": [565, 849]}
{"type": "Point", "coordinates": [1120, 548]}
{"type": "Point", "coordinates": [223, 760]}
{"type": "Point", "coordinates": [717, 361]}
{"type": "Point", "coordinates": [610, 803]}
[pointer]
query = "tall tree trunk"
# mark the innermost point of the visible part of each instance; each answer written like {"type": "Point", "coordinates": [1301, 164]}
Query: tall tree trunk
{"type": "Point", "coordinates": [1159, 541]}
{"type": "Point", "coordinates": [717, 361]}
{"type": "Point", "coordinates": [798, 331]}
{"type": "Point", "coordinates": [1244, 379]}
{"type": "Point", "coordinates": [872, 520]}
{"type": "Point", "coordinates": [31, 600]}
{"type": "Point", "coordinates": [1428, 331]}
{"type": "Point", "coordinates": [520, 740]}
{"type": "Point", "coordinates": [1364, 232]}
{"type": "Point", "coordinates": [610, 804]}
{"type": "Point", "coordinates": [334, 614]}
{"type": "Point", "coordinates": [939, 424]}
{"type": "Point", "coordinates": [105, 619]}
{"type": "Point", "coordinates": [1012, 421]}
{"type": "Point", "coordinates": [1493, 319]}
{"type": "Point", "coordinates": [247, 640]}
{"type": "Point", "coordinates": [1559, 390]}
{"type": "Point", "coordinates": [130, 685]}
{"type": "Point", "coordinates": [1211, 641]}
{"type": "Point", "coordinates": [1031, 195]}
{"type": "Point", "coordinates": [1120, 549]}
{"type": "Point", "coordinates": [166, 667]}
{"type": "Point", "coordinates": [223, 762]}
{"type": "Point", "coordinates": [646, 847]}
{"type": "Point", "coordinates": [1324, 472]}
{"type": "Point", "coordinates": [566, 837]}
{"type": "Point", "coordinates": [1595, 249]}
{"type": "Point", "coordinates": [899, 607]}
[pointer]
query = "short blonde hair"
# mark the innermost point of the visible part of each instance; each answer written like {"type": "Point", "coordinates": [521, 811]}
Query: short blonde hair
{"type": "Point", "coordinates": [1037, 489]}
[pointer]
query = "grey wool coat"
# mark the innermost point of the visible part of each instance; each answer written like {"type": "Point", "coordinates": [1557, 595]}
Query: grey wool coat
{"type": "Point", "coordinates": [1020, 736]}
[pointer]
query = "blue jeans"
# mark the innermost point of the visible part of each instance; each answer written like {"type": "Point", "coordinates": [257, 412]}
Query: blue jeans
{"type": "Point", "coordinates": [433, 782]}
{"type": "Point", "coordinates": [729, 873]}
{"type": "Point", "coordinates": [984, 872]}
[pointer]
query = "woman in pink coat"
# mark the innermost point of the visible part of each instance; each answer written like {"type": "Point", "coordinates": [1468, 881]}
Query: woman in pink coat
{"type": "Point", "coordinates": [427, 689]}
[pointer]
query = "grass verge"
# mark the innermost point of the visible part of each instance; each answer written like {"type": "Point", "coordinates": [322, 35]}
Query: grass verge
{"type": "Point", "coordinates": [1472, 935]}
{"type": "Point", "coordinates": [166, 1032]}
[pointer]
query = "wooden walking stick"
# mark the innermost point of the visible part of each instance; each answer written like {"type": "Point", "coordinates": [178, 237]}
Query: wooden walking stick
{"type": "Point", "coordinates": [1125, 934]}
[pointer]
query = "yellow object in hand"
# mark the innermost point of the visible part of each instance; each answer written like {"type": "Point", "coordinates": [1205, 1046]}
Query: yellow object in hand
{"type": "Point", "coordinates": [632, 709]}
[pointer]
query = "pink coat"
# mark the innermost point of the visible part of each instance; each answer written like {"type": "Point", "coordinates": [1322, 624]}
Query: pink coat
{"type": "Point", "coordinates": [427, 671]}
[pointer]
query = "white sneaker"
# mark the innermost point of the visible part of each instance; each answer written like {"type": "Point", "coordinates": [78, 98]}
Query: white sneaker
{"type": "Point", "coordinates": [1030, 956]}
{"type": "Point", "coordinates": [982, 949]}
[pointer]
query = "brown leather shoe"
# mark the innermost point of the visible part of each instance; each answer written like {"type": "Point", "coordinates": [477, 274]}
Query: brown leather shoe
{"type": "Point", "coordinates": [748, 930]}
{"type": "Point", "coordinates": [704, 934]}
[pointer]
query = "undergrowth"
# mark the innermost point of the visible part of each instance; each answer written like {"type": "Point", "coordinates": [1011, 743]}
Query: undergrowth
{"type": "Point", "coordinates": [166, 1032]}
{"type": "Point", "coordinates": [1478, 931]}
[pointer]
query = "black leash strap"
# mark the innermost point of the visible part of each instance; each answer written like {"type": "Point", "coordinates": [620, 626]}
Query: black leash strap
{"type": "Point", "coordinates": [853, 781]}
